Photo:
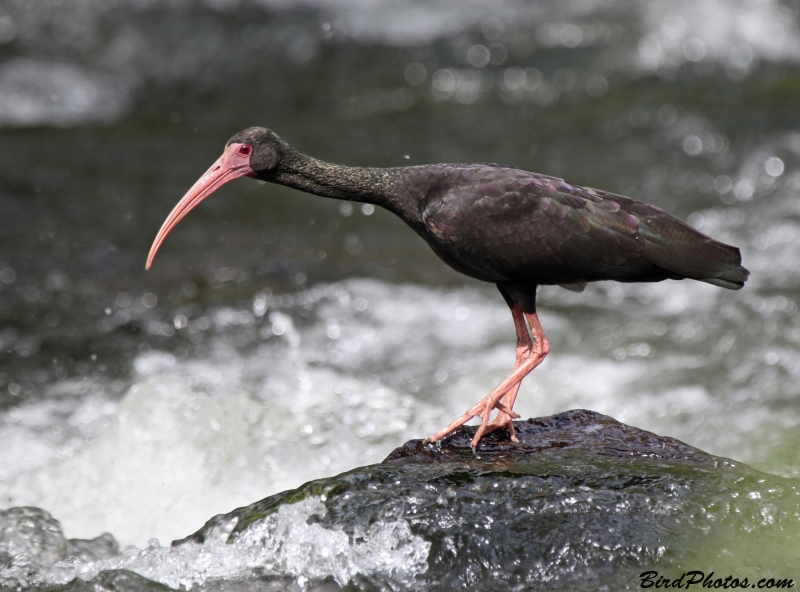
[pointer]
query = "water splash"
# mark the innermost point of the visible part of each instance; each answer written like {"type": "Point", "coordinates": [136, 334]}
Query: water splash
{"type": "Point", "coordinates": [289, 543]}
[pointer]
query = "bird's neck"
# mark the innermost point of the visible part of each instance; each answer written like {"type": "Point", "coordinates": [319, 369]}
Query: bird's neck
{"type": "Point", "coordinates": [368, 185]}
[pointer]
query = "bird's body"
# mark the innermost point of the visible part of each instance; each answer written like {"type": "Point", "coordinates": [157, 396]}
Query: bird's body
{"type": "Point", "coordinates": [499, 224]}
{"type": "Point", "coordinates": [506, 225]}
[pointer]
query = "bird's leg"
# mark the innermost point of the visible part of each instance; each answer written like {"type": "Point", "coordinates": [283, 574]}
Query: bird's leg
{"type": "Point", "coordinates": [524, 350]}
{"type": "Point", "coordinates": [510, 386]}
{"type": "Point", "coordinates": [539, 347]}
{"type": "Point", "coordinates": [524, 346]}
{"type": "Point", "coordinates": [525, 363]}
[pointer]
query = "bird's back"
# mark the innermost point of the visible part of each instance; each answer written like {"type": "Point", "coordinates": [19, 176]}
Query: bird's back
{"type": "Point", "coordinates": [502, 224]}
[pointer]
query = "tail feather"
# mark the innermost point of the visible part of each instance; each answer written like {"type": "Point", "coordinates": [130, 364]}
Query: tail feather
{"type": "Point", "coordinates": [725, 283]}
{"type": "Point", "coordinates": [675, 246]}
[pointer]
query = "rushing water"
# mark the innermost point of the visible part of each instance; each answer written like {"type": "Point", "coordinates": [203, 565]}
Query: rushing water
{"type": "Point", "coordinates": [282, 337]}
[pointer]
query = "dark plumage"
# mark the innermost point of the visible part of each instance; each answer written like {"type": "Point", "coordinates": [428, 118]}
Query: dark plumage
{"type": "Point", "coordinates": [498, 224]}
{"type": "Point", "coordinates": [511, 226]}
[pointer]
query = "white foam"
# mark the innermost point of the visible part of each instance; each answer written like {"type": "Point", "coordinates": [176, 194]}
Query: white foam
{"type": "Point", "coordinates": [726, 29]}
{"type": "Point", "coordinates": [91, 65]}
{"type": "Point", "coordinates": [735, 33]}
{"type": "Point", "coordinates": [36, 92]}
{"type": "Point", "coordinates": [282, 544]}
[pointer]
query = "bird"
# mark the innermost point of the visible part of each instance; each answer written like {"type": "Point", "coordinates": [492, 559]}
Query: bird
{"type": "Point", "coordinates": [499, 224]}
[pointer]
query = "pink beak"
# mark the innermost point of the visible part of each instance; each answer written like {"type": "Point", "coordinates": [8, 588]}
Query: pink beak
{"type": "Point", "coordinates": [234, 163]}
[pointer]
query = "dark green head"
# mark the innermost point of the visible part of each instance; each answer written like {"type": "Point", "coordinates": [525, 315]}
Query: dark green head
{"type": "Point", "coordinates": [266, 149]}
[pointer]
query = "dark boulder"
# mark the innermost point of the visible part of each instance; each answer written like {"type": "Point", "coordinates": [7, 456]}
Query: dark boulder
{"type": "Point", "coordinates": [582, 502]}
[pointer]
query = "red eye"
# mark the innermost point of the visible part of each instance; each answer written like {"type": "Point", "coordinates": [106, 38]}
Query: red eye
{"type": "Point", "coordinates": [245, 149]}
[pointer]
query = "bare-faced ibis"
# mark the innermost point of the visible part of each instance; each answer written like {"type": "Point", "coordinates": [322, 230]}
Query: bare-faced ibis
{"type": "Point", "coordinates": [498, 224]}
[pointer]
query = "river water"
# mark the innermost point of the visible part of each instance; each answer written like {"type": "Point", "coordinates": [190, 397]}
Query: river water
{"type": "Point", "coordinates": [282, 337]}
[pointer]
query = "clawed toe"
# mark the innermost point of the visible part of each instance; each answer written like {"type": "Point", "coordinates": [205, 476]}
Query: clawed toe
{"type": "Point", "coordinates": [504, 420]}
{"type": "Point", "coordinates": [483, 410]}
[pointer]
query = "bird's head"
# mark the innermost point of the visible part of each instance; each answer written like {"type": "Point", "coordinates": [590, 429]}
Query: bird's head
{"type": "Point", "coordinates": [253, 152]}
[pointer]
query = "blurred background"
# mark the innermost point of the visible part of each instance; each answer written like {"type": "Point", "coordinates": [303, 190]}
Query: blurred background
{"type": "Point", "coordinates": [282, 337]}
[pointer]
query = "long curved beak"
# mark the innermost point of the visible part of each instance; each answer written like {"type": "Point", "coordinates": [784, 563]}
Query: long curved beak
{"type": "Point", "coordinates": [231, 165]}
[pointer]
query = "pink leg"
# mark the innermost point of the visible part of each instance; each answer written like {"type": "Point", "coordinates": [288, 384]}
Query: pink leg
{"type": "Point", "coordinates": [529, 355]}
{"type": "Point", "coordinates": [524, 350]}
{"type": "Point", "coordinates": [503, 419]}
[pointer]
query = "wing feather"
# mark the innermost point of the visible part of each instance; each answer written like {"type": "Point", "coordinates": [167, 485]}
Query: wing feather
{"type": "Point", "coordinates": [512, 225]}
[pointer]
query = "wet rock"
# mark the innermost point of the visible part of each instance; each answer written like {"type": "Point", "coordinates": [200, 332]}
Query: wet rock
{"type": "Point", "coordinates": [583, 502]}
{"type": "Point", "coordinates": [87, 550]}
{"type": "Point", "coordinates": [583, 430]}
{"type": "Point", "coordinates": [31, 542]}
{"type": "Point", "coordinates": [30, 536]}
{"type": "Point", "coordinates": [114, 580]}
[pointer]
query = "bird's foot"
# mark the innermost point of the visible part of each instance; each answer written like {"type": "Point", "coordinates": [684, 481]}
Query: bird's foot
{"type": "Point", "coordinates": [510, 386]}
{"type": "Point", "coordinates": [504, 420]}
{"type": "Point", "coordinates": [483, 409]}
